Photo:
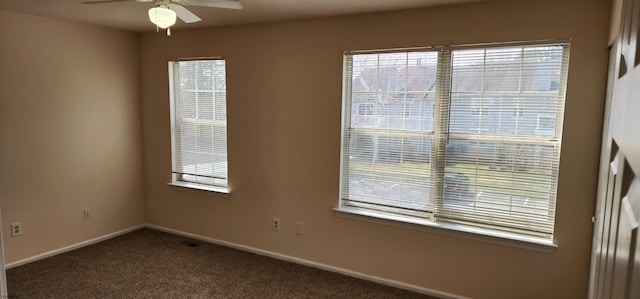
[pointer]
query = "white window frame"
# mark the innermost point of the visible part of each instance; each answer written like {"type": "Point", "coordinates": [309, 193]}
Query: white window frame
{"type": "Point", "coordinates": [181, 176]}
{"type": "Point", "coordinates": [431, 219]}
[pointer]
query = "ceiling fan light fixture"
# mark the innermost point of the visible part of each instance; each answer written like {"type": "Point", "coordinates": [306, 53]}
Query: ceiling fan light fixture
{"type": "Point", "coordinates": [162, 17]}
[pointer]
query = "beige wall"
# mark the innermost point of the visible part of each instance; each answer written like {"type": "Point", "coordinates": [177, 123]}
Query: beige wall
{"type": "Point", "coordinates": [616, 15]}
{"type": "Point", "coordinates": [284, 93]}
{"type": "Point", "coordinates": [70, 132]}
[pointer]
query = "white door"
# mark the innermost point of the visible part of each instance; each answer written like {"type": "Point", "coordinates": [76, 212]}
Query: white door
{"type": "Point", "coordinates": [615, 264]}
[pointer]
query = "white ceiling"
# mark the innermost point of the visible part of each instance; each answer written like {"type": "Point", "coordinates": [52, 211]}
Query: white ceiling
{"type": "Point", "coordinates": [132, 16]}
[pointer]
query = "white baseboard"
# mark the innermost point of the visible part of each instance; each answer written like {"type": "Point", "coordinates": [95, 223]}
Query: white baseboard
{"type": "Point", "coordinates": [271, 254]}
{"type": "Point", "coordinates": [384, 281]}
{"type": "Point", "coordinates": [71, 247]}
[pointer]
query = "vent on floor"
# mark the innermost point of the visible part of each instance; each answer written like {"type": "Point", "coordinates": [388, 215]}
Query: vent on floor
{"type": "Point", "coordinates": [190, 244]}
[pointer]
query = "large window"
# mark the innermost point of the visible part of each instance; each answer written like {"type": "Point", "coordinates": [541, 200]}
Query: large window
{"type": "Point", "coordinates": [199, 123]}
{"type": "Point", "coordinates": [462, 135]}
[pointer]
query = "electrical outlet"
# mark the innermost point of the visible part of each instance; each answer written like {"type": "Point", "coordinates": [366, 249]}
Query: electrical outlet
{"type": "Point", "coordinates": [275, 225]}
{"type": "Point", "coordinates": [299, 228]}
{"type": "Point", "coordinates": [16, 229]}
{"type": "Point", "coordinates": [87, 213]}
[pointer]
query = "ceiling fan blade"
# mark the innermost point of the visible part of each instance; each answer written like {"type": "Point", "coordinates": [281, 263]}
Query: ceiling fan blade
{"type": "Point", "coordinates": [232, 4]}
{"type": "Point", "coordinates": [111, 1]}
{"type": "Point", "coordinates": [184, 14]}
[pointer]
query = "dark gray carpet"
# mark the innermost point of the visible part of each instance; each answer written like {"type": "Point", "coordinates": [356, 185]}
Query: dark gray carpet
{"type": "Point", "coordinates": [151, 264]}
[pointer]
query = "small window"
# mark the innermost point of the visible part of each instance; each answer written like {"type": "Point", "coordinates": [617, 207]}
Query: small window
{"type": "Point", "coordinates": [546, 122]}
{"type": "Point", "coordinates": [365, 109]}
{"type": "Point", "coordinates": [518, 112]}
{"type": "Point", "coordinates": [460, 135]}
{"type": "Point", "coordinates": [479, 111]}
{"type": "Point", "coordinates": [199, 124]}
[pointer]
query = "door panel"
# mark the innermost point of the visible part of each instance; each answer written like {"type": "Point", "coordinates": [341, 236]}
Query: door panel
{"type": "Point", "coordinates": [615, 267]}
{"type": "Point", "coordinates": [617, 169]}
{"type": "Point", "coordinates": [634, 267]}
{"type": "Point", "coordinates": [623, 265]}
{"type": "Point", "coordinates": [625, 128]}
{"type": "Point", "coordinates": [603, 237]}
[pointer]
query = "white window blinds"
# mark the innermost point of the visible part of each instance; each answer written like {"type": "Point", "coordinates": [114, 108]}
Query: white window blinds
{"type": "Point", "coordinates": [199, 121]}
{"type": "Point", "coordinates": [456, 134]}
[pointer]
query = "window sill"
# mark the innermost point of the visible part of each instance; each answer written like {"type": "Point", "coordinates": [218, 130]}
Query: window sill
{"type": "Point", "coordinates": [450, 229]}
{"type": "Point", "coordinates": [200, 189]}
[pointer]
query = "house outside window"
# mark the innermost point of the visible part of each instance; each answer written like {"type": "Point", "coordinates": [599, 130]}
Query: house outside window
{"type": "Point", "coordinates": [433, 153]}
{"type": "Point", "coordinates": [199, 124]}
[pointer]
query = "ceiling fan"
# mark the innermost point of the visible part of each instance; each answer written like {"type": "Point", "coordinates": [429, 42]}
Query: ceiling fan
{"type": "Point", "coordinates": [164, 12]}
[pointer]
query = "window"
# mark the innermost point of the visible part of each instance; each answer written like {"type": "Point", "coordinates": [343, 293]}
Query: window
{"type": "Point", "coordinates": [431, 151]}
{"type": "Point", "coordinates": [199, 124]}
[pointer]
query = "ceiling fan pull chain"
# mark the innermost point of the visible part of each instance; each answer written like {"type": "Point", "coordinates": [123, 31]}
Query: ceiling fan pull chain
{"type": "Point", "coordinates": [169, 31]}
